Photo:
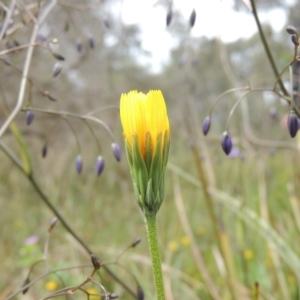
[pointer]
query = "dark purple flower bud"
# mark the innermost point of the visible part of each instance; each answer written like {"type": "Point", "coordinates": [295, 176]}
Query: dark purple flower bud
{"type": "Point", "coordinates": [92, 42]}
{"type": "Point", "coordinates": [113, 296]}
{"type": "Point", "coordinates": [106, 23]}
{"type": "Point", "coordinates": [293, 124]}
{"type": "Point", "coordinates": [193, 18]}
{"type": "Point", "coordinates": [26, 282]}
{"type": "Point", "coordinates": [58, 56]}
{"type": "Point", "coordinates": [206, 125]}
{"type": "Point", "coordinates": [29, 117]}
{"type": "Point", "coordinates": [78, 164]}
{"type": "Point", "coordinates": [169, 17]}
{"type": "Point", "coordinates": [41, 38]}
{"type": "Point", "coordinates": [79, 46]}
{"type": "Point", "coordinates": [116, 150]}
{"type": "Point", "coordinates": [291, 30]}
{"type": "Point", "coordinates": [136, 242]}
{"type": "Point", "coordinates": [99, 166]}
{"type": "Point", "coordinates": [56, 69]}
{"type": "Point", "coordinates": [273, 113]}
{"type": "Point", "coordinates": [140, 293]}
{"type": "Point", "coordinates": [44, 151]}
{"type": "Point", "coordinates": [226, 143]}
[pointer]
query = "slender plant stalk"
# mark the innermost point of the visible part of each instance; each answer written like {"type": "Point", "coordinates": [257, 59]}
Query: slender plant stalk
{"type": "Point", "coordinates": [151, 227]}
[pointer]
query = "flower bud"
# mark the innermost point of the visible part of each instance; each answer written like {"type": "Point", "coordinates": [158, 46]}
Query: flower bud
{"type": "Point", "coordinates": [206, 125]}
{"type": "Point", "coordinates": [99, 166]}
{"type": "Point", "coordinates": [193, 18]}
{"type": "Point", "coordinates": [78, 164]}
{"type": "Point", "coordinates": [79, 46]}
{"type": "Point", "coordinates": [136, 242]}
{"type": "Point", "coordinates": [58, 56]}
{"type": "Point", "coordinates": [26, 281]}
{"type": "Point", "coordinates": [106, 23]}
{"type": "Point", "coordinates": [294, 40]}
{"type": "Point", "coordinates": [140, 293]}
{"type": "Point", "coordinates": [56, 69]}
{"type": "Point", "coordinates": [291, 30]}
{"type": "Point", "coordinates": [52, 223]}
{"type": "Point", "coordinates": [113, 296]}
{"type": "Point", "coordinates": [29, 117]}
{"type": "Point", "coordinates": [292, 124]}
{"type": "Point", "coordinates": [226, 143]}
{"type": "Point", "coordinates": [92, 42]}
{"type": "Point", "coordinates": [169, 17]}
{"type": "Point", "coordinates": [116, 150]}
{"type": "Point", "coordinates": [44, 151]}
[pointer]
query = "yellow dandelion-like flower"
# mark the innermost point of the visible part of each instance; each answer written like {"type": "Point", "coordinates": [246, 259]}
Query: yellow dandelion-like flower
{"type": "Point", "coordinates": [93, 294]}
{"type": "Point", "coordinates": [173, 246]}
{"type": "Point", "coordinates": [51, 286]}
{"type": "Point", "coordinates": [147, 138]}
{"type": "Point", "coordinates": [185, 240]}
{"type": "Point", "coordinates": [201, 231]}
{"type": "Point", "coordinates": [248, 254]}
{"type": "Point", "coordinates": [142, 114]}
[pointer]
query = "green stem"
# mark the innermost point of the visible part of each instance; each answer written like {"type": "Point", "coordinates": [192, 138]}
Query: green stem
{"type": "Point", "coordinates": [151, 227]}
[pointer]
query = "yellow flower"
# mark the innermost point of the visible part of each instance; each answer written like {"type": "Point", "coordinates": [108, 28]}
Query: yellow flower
{"type": "Point", "coordinates": [185, 240]}
{"type": "Point", "coordinates": [142, 114]}
{"type": "Point", "coordinates": [147, 138]}
{"type": "Point", "coordinates": [173, 246]}
{"type": "Point", "coordinates": [51, 286]}
{"type": "Point", "coordinates": [248, 254]}
{"type": "Point", "coordinates": [93, 294]}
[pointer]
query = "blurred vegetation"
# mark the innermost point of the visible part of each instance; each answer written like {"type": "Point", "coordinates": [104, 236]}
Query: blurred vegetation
{"type": "Point", "coordinates": [254, 194]}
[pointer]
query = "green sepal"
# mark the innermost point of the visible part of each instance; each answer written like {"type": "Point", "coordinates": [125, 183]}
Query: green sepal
{"type": "Point", "coordinates": [129, 153]}
{"type": "Point", "coordinates": [156, 164]}
{"type": "Point", "coordinates": [166, 146]}
{"type": "Point", "coordinates": [150, 197]}
{"type": "Point", "coordinates": [139, 170]}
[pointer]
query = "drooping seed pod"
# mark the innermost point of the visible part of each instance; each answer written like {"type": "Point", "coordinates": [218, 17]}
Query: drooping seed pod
{"type": "Point", "coordinates": [116, 150]}
{"type": "Point", "coordinates": [293, 123]}
{"type": "Point", "coordinates": [294, 40]}
{"type": "Point", "coordinates": [29, 117]}
{"type": "Point", "coordinates": [44, 151]}
{"type": "Point", "coordinates": [193, 18]}
{"type": "Point", "coordinates": [169, 17]}
{"type": "Point", "coordinates": [99, 166]}
{"type": "Point", "coordinates": [136, 242]}
{"type": "Point", "coordinates": [226, 143]}
{"type": "Point", "coordinates": [78, 164]}
{"type": "Point", "coordinates": [291, 30]}
{"type": "Point", "coordinates": [140, 293]}
{"type": "Point", "coordinates": [58, 56]}
{"type": "Point", "coordinates": [206, 125]}
{"type": "Point", "coordinates": [79, 46]}
{"type": "Point", "coordinates": [26, 282]}
{"type": "Point", "coordinates": [56, 69]}
{"type": "Point", "coordinates": [92, 42]}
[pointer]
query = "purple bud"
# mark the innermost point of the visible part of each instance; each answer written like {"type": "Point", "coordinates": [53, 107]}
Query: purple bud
{"type": "Point", "coordinates": [206, 125]}
{"type": "Point", "coordinates": [169, 17]}
{"type": "Point", "coordinates": [140, 293]}
{"type": "Point", "coordinates": [29, 117]}
{"type": "Point", "coordinates": [226, 143]}
{"type": "Point", "coordinates": [293, 124]}
{"type": "Point", "coordinates": [52, 223]}
{"type": "Point", "coordinates": [44, 151]}
{"type": "Point", "coordinates": [136, 242]}
{"type": "Point", "coordinates": [116, 150]}
{"type": "Point", "coordinates": [113, 296]}
{"type": "Point", "coordinates": [95, 261]}
{"type": "Point", "coordinates": [58, 56]}
{"type": "Point", "coordinates": [92, 42]}
{"type": "Point", "coordinates": [79, 46]}
{"type": "Point", "coordinates": [99, 166]}
{"type": "Point", "coordinates": [106, 23]}
{"type": "Point", "coordinates": [291, 30]}
{"type": "Point", "coordinates": [193, 18]}
{"type": "Point", "coordinates": [294, 40]}
{"type": "Point", "coordinates": [56, 69]}
{"type": "Point", "coordinates": [78, 164]}
{"type": "Point", "coordinates": [41, 38]}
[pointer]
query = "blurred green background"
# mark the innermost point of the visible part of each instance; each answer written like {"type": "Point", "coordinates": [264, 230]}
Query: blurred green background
{"type": "Point", "coordinates": [254, 193]}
